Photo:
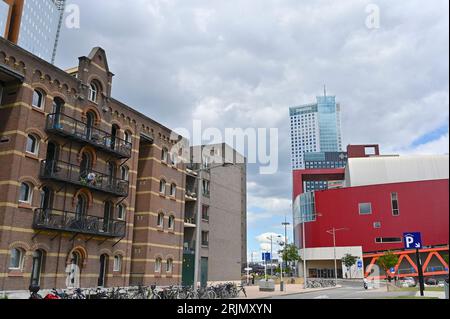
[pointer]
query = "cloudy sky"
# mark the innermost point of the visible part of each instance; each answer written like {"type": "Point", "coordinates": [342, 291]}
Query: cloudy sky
{"type": "Point", "coordinates": [243, 63]}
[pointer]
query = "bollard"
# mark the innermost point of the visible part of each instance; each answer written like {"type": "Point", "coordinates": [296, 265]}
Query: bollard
{"type": "Point", "coordinates": [282, 286]}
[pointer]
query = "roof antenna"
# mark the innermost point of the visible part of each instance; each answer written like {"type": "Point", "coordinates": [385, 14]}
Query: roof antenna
{"type": "Point", "coordinates": [325, 90]}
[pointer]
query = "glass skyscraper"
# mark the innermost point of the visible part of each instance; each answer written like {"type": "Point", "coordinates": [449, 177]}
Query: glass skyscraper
{"type": "Point", "coordinates": [4, 10]}
{"type": "Point", "coordinates": [40, 26]}
{"type": "Point", "coordinates": [315, 128]}
{"type": "Point", "coordinates": [34, 25]}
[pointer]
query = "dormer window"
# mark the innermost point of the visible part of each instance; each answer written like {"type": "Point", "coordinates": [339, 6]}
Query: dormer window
{"type": "Point", "coordinates": [93, 92]}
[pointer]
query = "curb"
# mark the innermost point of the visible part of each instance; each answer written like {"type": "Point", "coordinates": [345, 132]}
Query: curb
{"type": "Point", "coordinates": [298, 293]}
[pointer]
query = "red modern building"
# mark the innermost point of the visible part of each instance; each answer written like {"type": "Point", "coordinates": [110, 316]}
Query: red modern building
{"type": "Point", "coordinates": [381, 198]}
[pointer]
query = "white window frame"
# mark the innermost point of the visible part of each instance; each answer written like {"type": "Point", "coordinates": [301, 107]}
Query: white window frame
{"type": "Point", "coordinates": [117, 266]}
{"type": "Point", "coordinates": [171, 222]}
{"type": "Point", "coordinates": [173, 190]}
{"type": "Point", "coordinates": [125, 173]}
{"type": "Point", "coordinates": [392, 206]}
{"type": "Point", "coordinates": [93, 93]}
{"type": "Point", "coordinates": [158, 265]}
{"type": "Point", "coordinates": [124, 212]}
{"type": "Point", "coordinates": [359, 209]}
{"type": "Point", "coordinates": [160, 220]}
{"type": "Point", "coordinates": [42, 100]}
{"type": "Point", "coordinates": [30, 193]}
{"type": "Point", "coordinates": [21, 259]}
{"type": "Point", "coordinates": [36, 144]}
{"type": "Point", "coordinates": [169, 266]}
{"type": "Point", "coordinates": [162, 187]}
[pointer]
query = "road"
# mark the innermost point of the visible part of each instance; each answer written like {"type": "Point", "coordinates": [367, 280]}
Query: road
{"type": "Point", "coordinates": [349, 290]}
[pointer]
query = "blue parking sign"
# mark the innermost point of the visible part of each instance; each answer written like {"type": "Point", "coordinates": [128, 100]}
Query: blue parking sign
{"type": "Point", "coordinates": [412, 240]}
{"type": "Point", "coordinates": [266, 256]}
{"type": "Point", "coordinates": [360, 264]}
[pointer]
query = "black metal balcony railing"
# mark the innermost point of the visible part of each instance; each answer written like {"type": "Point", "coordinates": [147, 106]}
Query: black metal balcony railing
{"type": "Point", "coordinates": [51, 219]}
{"type": "Point", "coordinates": [67, 126]}
{"type": "Point", "coordinates": [65, 172]}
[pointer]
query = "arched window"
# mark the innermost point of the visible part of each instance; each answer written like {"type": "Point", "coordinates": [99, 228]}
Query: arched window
{"type": "Point", "coordinates": [36, 271]}
{"type": "Point", "coordinates": [173, 190]}
{"type": "Point", "coordinates": [26, 193]}
{"type": "Point", "coordinates": [169, 265]}
{"type": "Point", "coordinates": [32, 144]}
{"type": "Point", "coordinates": [125, 173]}
{"type": "Point", "coordinates": [46, 198]}
{"type": "Point", "coordinates": [128, 136]}
{"type": "Point", "coordinates": [81, 209]}
{"type": "Point", "coordinates": [121, 212]}
{"type": "Point", "coordinates": [107, 216]}
{"type": "Point", "coordinates": [38, 99]}
{"type": "Point", "coordinates": [117, 263]}
{"type": "Point", "coordinates": [158, 263]}
{"type": "Point", "coordinates": [93, 92]}
{"type": "Point", "coordinates": [160, 222]}
{"type": "Point", "coordinates": [90, 123]}
{"type": "Point", "coordinates": [16, 259]}
{"type": "Point", "coordinates": [162, 186]}
{"type": "Point", "coordinates": [75, 270]}
{"type": "Point", "coordinates": [165, 155]}
{"type": "Point", "coordinates": [171, 224]}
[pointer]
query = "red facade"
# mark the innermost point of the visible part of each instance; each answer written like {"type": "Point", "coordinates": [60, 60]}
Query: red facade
{"type": "Point", "coordinates": [424, 207]}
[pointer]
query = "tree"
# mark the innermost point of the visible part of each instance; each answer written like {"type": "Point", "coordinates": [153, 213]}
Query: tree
{"type": "Point", "coordinates": [290, 254]}
{"type": "Point", "coordinates": [386, 262]}
{"type": "Point", "coordinates": [349, 260]}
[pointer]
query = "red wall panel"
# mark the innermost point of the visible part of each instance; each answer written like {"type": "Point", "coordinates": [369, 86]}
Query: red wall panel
{"type": "Point", "coordinates": [424, 207]}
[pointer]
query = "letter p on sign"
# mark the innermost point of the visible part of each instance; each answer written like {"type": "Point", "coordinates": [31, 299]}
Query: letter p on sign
{"type": "Point", "coordinates": [412, 240]}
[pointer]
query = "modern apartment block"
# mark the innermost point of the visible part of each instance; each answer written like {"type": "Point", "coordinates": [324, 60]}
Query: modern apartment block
{"type": "Point", "coordinates": [33, 24]}
{"type": "Point", "coordinates": [315, 128]}
{"type": "Point", "coordinates": [223, 226]}
{"type": "Point", "coordinates": [91, 193]}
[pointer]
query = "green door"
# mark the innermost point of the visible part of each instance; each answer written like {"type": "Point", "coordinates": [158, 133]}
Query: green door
{"type": "Point", "coordinates": [204, 272]}
{"type": "Point", "coordinates": [187, 277]}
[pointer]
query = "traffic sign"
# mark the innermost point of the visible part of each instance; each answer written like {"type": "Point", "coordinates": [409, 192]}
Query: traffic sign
{"type": "Point", "coordinates": [412, 240]}
{"type": "Point", "coordinates": [392, 270]}
{"type": "Point", "coordinates": [360, 264]}
{"type": "Point", "coordinates": [266, 256]}
{"type": "Point", "coordinates": [248, 269]}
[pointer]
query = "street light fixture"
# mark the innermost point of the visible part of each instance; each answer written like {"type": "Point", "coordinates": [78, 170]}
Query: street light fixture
{"type": "Point", "coordinates": [199, 171]}
{"type": "Point", "coordinates": [333, 233]}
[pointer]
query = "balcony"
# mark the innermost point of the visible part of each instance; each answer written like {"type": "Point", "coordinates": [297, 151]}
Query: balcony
{"type": "Point", "coordinates": [56, 220]}
{"type": "Point", "coordinates": [189, 248]}
{"type": "Point", "coordinates": [190, 196]}
{"type": "Point", "coordinates": [189, 222]}
{"type": "Point", "coordinates": [66, 126]}
{"type": "Point", "coordinates": [69, 173]}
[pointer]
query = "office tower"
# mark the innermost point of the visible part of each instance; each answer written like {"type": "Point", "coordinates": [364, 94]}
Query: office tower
{"type": "Point", "coordinates": [315, 128]}
{"type": "Point", "coordinates": [33, 25]}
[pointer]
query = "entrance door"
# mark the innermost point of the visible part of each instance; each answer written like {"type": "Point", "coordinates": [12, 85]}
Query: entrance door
{"type": "Point", "coordinates": [37, 267]}
{"type": "Point", "coordinates": [204, 272]}
{"type": "Point", "coordinates": [187, 276]}
{"type": "Point", "coordinates": [103, 270]}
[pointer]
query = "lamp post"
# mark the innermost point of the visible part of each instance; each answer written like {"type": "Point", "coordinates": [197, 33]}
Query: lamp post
{"type": "Point", "coordinates": [197, 266]}
{"type": "Point", "coordinates": [285, 224]}
{"type": "Point", "coordinates": [333, 233]}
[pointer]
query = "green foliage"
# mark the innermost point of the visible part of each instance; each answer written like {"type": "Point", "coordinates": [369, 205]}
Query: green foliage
{"type": "Point", "coordinates": [387, 261]}
{"type": "Point", "coordinates": [445, 258]}
{"type": "Point", "coordinates": [290, 253]}
{"type": "Point", "coordinates": [349, 260]}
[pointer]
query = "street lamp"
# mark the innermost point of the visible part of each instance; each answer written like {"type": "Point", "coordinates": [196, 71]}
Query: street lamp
{"type": "Point", "coordinates": [271, 252]}
{"type": "Point", "coordinates": [303, 221]}
{"type": "Point", "coordinates": [197, 266]}
{"type": "Point", "coordinates": [333, 233]}
{"type": "Point", "coordinates": [285, 224]}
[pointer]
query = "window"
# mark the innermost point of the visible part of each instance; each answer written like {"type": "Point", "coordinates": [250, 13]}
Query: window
{"type": "Point", "coordinates": [93, 92]}
{"type": "Point", "coordinates": [165, 155]}
{"type": "Point", "coordinates": [365, 208]}
{"type": "Point", "coordinates": [25, 193]}
{"type": "Point", "coordinates": [205, 213]}
{"type": "Point", "coordinates": [173, 190]}
{"type": "Point", "coordinates": [394, 204]}
{"type": "Point", "coordinates": [127, 136]}
{"type": "Point", "coordinates": [370, 150]}
{"type": "Point", "coordinates": [16, 259]}
{"type": "Point", "coordinates": [38, 99]}
{"type": "Point", "coordinates": [121, 212]}
{"type": "Point", "coordinates": [117, 263]}
{"type": "Point", "coordinates": [32, 144]}
{"type": "Point", "coordinates": [160, 221]}
{"type": "Point", "coordinates": [125, 173]}
{"type": "Point", "coordinates": [162, 187]}
{"type": "Point", "coordinates": [206, 186]}
{"type": "Point", "coordinates": [158, 263]}
{"type": "Point", "coordinates": [171, 222]}
{"type": "Point", "coordinates": [377, 225]}
{"type": "Point", "coordinates": [388, 240]}
{"type": "Point", "coordinates": [169, 266]}
{"type": "Point", "coordinates": [205, 238]}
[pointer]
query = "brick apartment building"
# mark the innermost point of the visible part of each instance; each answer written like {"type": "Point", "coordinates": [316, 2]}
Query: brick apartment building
{"type": "Point", "coordinates": [86, 182]}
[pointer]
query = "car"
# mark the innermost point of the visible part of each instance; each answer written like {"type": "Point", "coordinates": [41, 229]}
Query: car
{"type": "Point", "coordinates": [408, 282]}
{"type": "Point", "coordinates": [430, 281]}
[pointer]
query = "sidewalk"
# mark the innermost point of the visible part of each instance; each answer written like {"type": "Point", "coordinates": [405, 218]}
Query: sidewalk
{"type": "Point", "coordinates": [432, 294]}
{"type": "Point", "coordinates": [254, 293]}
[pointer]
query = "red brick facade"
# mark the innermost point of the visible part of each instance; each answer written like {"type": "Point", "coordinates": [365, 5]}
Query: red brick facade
{"type": "Point", "coordinates": [144, 241]}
